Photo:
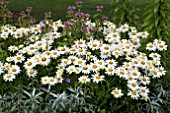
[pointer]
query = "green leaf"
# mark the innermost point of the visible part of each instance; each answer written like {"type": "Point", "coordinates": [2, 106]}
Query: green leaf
{"type": "Point", "coordinates": [162, 13]}
{"type": "Point", "coordinates": [156, 7]}
{"type": "Point", "coordinates": [156, 21]}
{"type": "Point", "coordinates": [117, 8]}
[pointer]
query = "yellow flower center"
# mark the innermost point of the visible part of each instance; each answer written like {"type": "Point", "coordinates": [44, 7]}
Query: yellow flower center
{"type": "Point", "coordinates": [98, 77]}
{"type": "Point", "coordinates": [29, 63]}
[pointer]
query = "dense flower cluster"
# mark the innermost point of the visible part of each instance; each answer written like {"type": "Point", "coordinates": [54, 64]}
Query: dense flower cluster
{"type": "Point", "coordinates": [89, 58]}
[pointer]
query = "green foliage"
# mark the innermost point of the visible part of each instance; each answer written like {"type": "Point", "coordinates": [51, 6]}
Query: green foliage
{"type": "Point", "coordinates": [124, 11]}
{"type": "Point", "coordinates": [156, 22]}
{"type": "Point", "coordinates": [158, 103]}
{"type": "Point", "coordinates": [92, 97]}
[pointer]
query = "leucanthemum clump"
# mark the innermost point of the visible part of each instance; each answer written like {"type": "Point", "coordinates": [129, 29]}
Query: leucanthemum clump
{"type": "Point", "coordinates": [89, 58]}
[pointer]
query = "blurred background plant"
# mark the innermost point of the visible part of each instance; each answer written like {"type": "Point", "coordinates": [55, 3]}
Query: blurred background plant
{"type": "Point", "coordinates": [95, 97]}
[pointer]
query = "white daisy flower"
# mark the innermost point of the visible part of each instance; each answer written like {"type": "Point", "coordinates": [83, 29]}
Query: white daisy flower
{"type": "Point", "coordinates": [144, 80]}
{"type": "Point", "coordinates": [117, 93]}
{"type": "Point", "coordinates": [52, 80]}
{"type": "Point", "coordinates": [45, 80]}
{"type": "Point", "coordinates": [161, 70]}
{"type": "Point", "coordinates": [79, 62]}
{"type": "Point", "coordinates": [97, 78]}
{"type": "Point", "coordinates": [59, 72]}
{"type": "Point", "coordinates": [9, 59]}
{"type": "Point", "coordinates": [85, 69]}
{"type": "Point", "coordinates": [110, 70]}
{"type": "Point", "coordinates": [121, 72]}
{"type": "Point", "coordinates": [71, 69]}
{"type": "Point", "coordinates": [133, 85]}
{"type": "Point", "coordinates": [12, 48]}
{"type": "Point", "coordinates": [144, 91]}
{"type": "Point", "coordinates": [14, 69]}
{"type": "Point", "coordinates": [150, 47]}
{"type": "Point", "coordinates": [7, 66]}
{"type": "Point", "coordinates": [94, 67]}
{"type": "Point", "coordinates": [81, 51]}
{"type": "Point", "coordinates": [44, 60]}
{"type": "Point", "coordinates": [29, 64]}
{"type": "Point", "coordinates": [31, 73]}
{"type": "Point", "coordinates": [84, 79]}
{"type": "Point", "coordinates": [133, 94]}
{"type": "Point", "coordinates": [143, 34]}
{"type": "Point", "coordinates": [19, 58]}
{"type": "Point", "coordinates": [59, 79]}
{"type": "Point", "coordinates": [9, 77]}
{"type": "Point", "coordinates": [124, 28]}
{"type": "Point", "coordinates": [65, 62]}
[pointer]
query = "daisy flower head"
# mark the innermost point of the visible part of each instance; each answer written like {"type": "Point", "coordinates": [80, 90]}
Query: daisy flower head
{"type": "Point", "coordinates": [135, 73]}
{"type": "Point", "coordinates": [80, 43]}
{"type": "Point", "coordinates": [109, 70]}
{"type": "Point", "coordinates": [111, 62]}
{"type": "Point", "coordinates": [145, 97]}
{"type": "Point", "coordinates": [31, 49]}
{"type": "Point", "coordinates": [133, 85]}
{"type": "Point", "coordinates": [84, 79]}
{"type": "Point", "coordinates": [117, 93]}
{"type": "Point", "coordinates": [115, 35]}
{"type": "Point", "coordinates": [55, 54]}
{"type": "Point", "coordinates": [155, 73]}
{"type": "Point", "coordinates": [155, 56]}
{"type": "Point", "coordinates": [44, 60]}
{"type": "Point", "coordinates": [14, 69]}
{"type": "Point", "coordinates": [81, 51]}
{"type": "Point", "coordinates": [33, 38]}
{"type": "Point", "coordinates": [127, 65]}
{"type": "Point", "coordinates": [133, 33]}
{"type": "Point", "coordinates": [29, 64]}
{"type": "Point", "coordinates": [63, 50]}
{"type": "Point", "coordinates": [79, 62]}
{"type": "Point", "coordinates": [116, 53]}
{"type": "Point", "coordinates": [19, 58]}
{"type": "Point", "coordinates": [97, 78]}
{"type": "Point", "coordinates": [121, 72]}
{"type": "Point", "coordinates": [85, 69]}
{"type": "Point", "coordinates": [31, 73]}
{"type": "Point", "coordinates": [143, 91]}
{"type": "Point", "coordinates": [9, 77]}
{"type": "Point", "coordinates": [9, 59]}
{"type": "Point", "coordinates": [65, 62]}
{"type": "Point", "coordinates": [12, 48]}
{"type": "Point", "coordinates": [59, 79]}
{"type": "Point", "coordinates": [94, 44]}
{"type": "Point", "coordinates": [144, 80]}
{"type": "Point", "coordinates": [162, 47]}
{"type": "Point", "coordinates": [105, 48]}
{"type": "Point", "coordinates": [124, 28]}
{"type": "Point", "coordinates": [72, 58]}
{"type": "Point", "coordinates": [71, 69]}
{"type": "Point", "coordinates": [7, 66]}
{"type": "Point", "coordinates": [4, 35]}
{"type": "Point", "coordinates": [72, 50]}
{"type": "Point", "coordinates": [143, 34]}
{"type": "Point", "coordinates": [151, 47]}
{"type": "Point", "coordinates": [59, 72]}
{"type": "Point", "coordinates": [161, 70]}
{"type": "Point", "coordinates": [109, 38]}
{"type": "Point", "coordinates": [52, 81]}
{"type": "Point", "coordinates": [133, 94]}
{"type": "Point", "coordinates": [45, 80]}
